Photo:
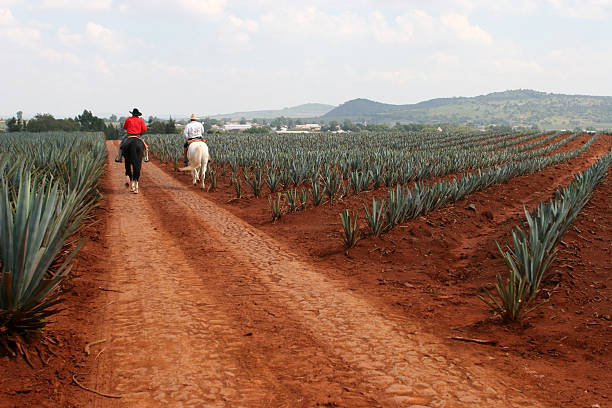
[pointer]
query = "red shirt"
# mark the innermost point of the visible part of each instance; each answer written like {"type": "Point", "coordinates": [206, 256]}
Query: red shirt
{"type": "Point", "coordinates": [134, 125]}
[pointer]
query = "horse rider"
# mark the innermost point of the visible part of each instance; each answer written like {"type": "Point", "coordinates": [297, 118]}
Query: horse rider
{"type": "Point", "coordinates": [134, 126]}
{"type": "Point", "coordinates": [193, 131]}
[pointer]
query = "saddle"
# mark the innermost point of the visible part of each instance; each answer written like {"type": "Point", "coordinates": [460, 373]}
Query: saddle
{"type": "Point", "coordinates": [190, 141]}
{"type": "Point", "coordinates": [139, 138]}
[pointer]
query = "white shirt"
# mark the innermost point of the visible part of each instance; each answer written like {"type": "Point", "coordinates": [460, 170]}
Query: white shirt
{"type": "Point", "coordinates": [193, 129]}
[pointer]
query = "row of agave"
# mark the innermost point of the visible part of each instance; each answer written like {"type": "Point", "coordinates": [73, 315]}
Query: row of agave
{"type": "Point", "coordinates": [48, 187]}
{"type": "Point", "coordinates": [357, 167]}
{"type": "Point", "coordinates": [534, 249]}
{"type": "Point", "coordinates": [405, 203]}
{"type": "Point", "coordinates": [281, 151]}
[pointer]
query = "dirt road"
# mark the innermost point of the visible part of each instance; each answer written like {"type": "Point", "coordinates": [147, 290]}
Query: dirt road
{"type": "Point", "coordinates": [204, 310]}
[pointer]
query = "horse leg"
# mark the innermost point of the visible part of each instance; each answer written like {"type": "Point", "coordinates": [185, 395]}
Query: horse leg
{"type": "Point", "coordinates": [203, 170]}
{"type": "Point", "coordinates": [137, 166]}
{"type": "Point", "coordinates": [128, 172]}
{"type": "Point", "coordinates": [194, 176]}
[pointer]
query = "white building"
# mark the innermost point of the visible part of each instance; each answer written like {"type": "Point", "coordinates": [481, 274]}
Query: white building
{"type": "Point", "coordinates": [309, 126]}
{"type": "Point", "coordinates": [236, 126]}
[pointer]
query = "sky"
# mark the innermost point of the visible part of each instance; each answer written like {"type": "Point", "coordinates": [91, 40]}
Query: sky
{"type": "Point", "coordinates": [220, 56]}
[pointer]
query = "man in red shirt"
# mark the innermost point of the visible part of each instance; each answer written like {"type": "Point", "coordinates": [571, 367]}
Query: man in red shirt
{"type": "Point", "coordinates": [134, 126]}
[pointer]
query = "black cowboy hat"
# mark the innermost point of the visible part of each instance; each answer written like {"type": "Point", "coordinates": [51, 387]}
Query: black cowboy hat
{"type": "Point", "coordinates": [136, 112]}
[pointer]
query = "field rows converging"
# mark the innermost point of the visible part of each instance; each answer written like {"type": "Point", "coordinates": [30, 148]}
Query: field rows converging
{"type": "Point", "coordinates": [171, 321]}
{"type": "Point", "coordinates": [368, 269]}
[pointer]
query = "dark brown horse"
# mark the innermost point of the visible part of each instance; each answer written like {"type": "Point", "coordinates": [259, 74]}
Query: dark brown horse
{"type": "Point", "coordinates": [133, 151]}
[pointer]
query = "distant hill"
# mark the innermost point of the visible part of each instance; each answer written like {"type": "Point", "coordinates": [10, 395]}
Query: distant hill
{"type": "Point", "coordinates": [308, 110]}
{"type": "Point", "coordinates": [515, 107]}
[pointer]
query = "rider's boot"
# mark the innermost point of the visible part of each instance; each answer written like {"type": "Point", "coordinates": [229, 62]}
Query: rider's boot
{"type": "Point", "coordinates": [185, 157]}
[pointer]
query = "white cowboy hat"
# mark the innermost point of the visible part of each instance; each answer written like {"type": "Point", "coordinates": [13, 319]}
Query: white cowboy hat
{"type": "Point", "coordinates": [194, 116]}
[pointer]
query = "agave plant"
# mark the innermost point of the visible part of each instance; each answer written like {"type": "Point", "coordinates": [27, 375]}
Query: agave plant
{"type": "Point", "coordinates": [376, 218]}
{"type": "Point", "coordinates": [272, 179]}
{"type": "Point", "coordinates": [350, 228]}
{"type": "Point", "coordinates": [275, 206]}
{"type": "Point", "coordinates": [316, 191]}
{"type": "Point", "coordinates": [291, 196]}
{"type": "Point", "coordinates": [303, 198]}
{"type": "Point", "coordinates": [255, 179]}
{"type": "Point", "coordinates": [34, 223]}
{"type": "Point", "coordinates": [212, 176]}
{"type": "Point", "coordinates": [534, 250]}
{"type": "Point", "coordinates": [235, 182]}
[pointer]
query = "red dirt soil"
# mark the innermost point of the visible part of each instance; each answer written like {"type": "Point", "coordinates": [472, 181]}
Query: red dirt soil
{"type": "Point", "coordinates": [423, 277]}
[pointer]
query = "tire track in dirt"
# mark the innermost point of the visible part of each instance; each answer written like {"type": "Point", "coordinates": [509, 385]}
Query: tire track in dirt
{"type": "Point", "coordinates": [176, 330]}
{"type": "Point", "coordinates": [405, 366]}
{"type": "Point", "coordinates": [168, 345]}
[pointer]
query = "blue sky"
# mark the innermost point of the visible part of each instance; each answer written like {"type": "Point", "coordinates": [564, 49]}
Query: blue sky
{"type": "Point", "coordinates": [218, 56]}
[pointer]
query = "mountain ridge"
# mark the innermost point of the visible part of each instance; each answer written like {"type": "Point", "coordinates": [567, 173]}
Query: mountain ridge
{"type": "Point", "coordinates": [306, 110]}
{"type": "Point", "coordinates": [512, 107]}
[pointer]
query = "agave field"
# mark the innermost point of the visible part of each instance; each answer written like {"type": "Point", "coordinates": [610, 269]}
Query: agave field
{"type": "Point", "coordinates": [48, 187]}
{"type": "Point", "coordinates": [494, 238]}
{"type": "Point", "coordinates": [420, 172]}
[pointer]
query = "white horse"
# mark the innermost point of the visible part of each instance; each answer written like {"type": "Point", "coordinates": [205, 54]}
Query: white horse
{"type": "Point", "coordinates": [198, 156]}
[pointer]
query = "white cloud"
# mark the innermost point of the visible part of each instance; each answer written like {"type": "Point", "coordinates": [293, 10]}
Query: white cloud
{"type": "Point", "coordinates": [68, 38]}
{"type": "Point", "coordinates": [583, 9]}
{"type": "Point", "coordinates": [100, 65]}
{"type": "Point", "coordinates": [235, 34]}
{"type": "Point", "coordinates": [415, 27]}
{"type": "Point", "coordinates": [59, 56]}
{"type": "Point", "coordinates": [89, 5]}
{"type": "Point", "coordinates": [6, 17]}
{"type": "Point", "coordinates": [515, 65]}
{"type": "Point", "coordinates": [210, 8]}
{"type": "Point", "coordinates": [103, 37]}
{"type": "Point", "coordinates": [16, 32]}
{"type": "Point", "coordinates": [247, 25]}
{"type": "Point", "coordinates": [444, 59]}
{"type": "Point", "coordinates": [24, 36]}
{"type": "Point", "coordinates": [314, 23]}
{"type": "Point", "coordinates": [384, 33]}
{"type": "Point", "coordinates": [501, 7]}
{"type": "Point", "coordinates": [460, 26]}
{"type": "Point", "coordinates": [401, 77]}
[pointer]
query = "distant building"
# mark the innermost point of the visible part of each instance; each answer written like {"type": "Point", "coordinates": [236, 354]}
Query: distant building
{"type": "Point", "coordinates": [313, 127]}
{"type": "Point", "coordinates": [3, 127]}
{"type": "Point", "coordinates": [237, 126]}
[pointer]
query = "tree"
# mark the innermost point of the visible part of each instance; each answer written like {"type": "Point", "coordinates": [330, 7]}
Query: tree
{"type": "Point", "coordinates": [13, 125]}
{"type": "Point", "coordinates": [156, 127]}
{"type": "Point", "coordinates": [89, 122]}
{"type": "Point", "coordinates": [45, 122]}
{"type": "Point", "coordinates": [20, 121]}
{"type": "Point", "coordinates": [258, 130]}
{"type": "Point", "coordinates": [170, 126]}
{"type": "Point", "coordinates": [112, 118]}
{"type": "Point", "coordinates": [348, 125]}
